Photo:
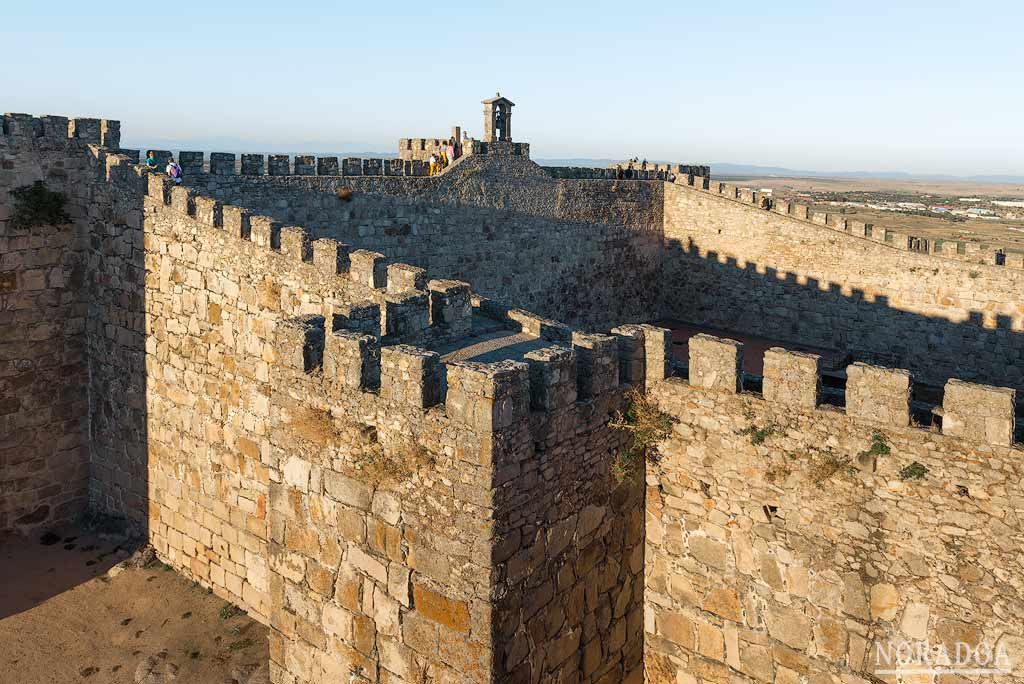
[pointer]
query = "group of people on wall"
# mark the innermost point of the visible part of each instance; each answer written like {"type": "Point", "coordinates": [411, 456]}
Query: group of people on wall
{"type": "Point", "coordinates": [445, 154]}
{"type": "Point", "coordinates": [173, 170]}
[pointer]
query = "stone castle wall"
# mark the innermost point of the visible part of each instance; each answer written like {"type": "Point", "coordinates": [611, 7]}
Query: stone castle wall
{"type": "Point", "coordinates": [788, 541]}
{"type": "Point", "coordinates": [44, 402]}
{"type": "Point", "coordinates": [501, 552]}
{"type": "Point", "coordinates": [218, 282]}
{"type": "Point", "coordinates": [242, 391]}
{"type": "Point", "coordinates": [222, 457]}
{"type": "Point", "coordinates": [733, 265]}
{"type": "Point", "coordinates": [584, 252]}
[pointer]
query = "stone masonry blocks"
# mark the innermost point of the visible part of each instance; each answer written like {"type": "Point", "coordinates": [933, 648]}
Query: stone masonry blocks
{"type": "Point", "coordinates": [541, 327]}
{"type": "Point", "coordinates": [405, 278]}
{"type": "Point", "coordinates": [980, 413]}
{"type": "Point", "coordinates": [792, 378]}
{"type": "Point", "coordinates": [304, 165]}
{"type": "Point", "coordinates": [183, 199]}
{"type": "Point", "coordinates": [330, 256]}
{"type": "Point", "coordinates": [236, 221]}
{"type": "Point", "coordinates": [716, 363]}
{"type": "Point", "coordinates": [368, 268]}
{"type": "Point", "coordinates": [878, 395]}
{"type": "Point", "coordinates": [405, 313]}
{"type": "Point", "coordinates": [84, 129]}
{"type": "Point", "coordinates": [488, 397]}
{"type": "Point", "coordinates": [632, 354]}
{"type": "Point", "coordinates": [361, 317]}
{"type": "Point", "coordinates": [598, 361]}
{"type": "Point", "coordinates": [278, 165]}
{"type": "Point", "coordinates": [644, 354]}
{"type": "Point", "coordinates": [265, 232]}
{"type": "Point", "coordinates": [209, 212]}
{"type": "Point", "coordinates": [300, 343]}
{"type": "Point", "coordinates": [451, 306]}
{"type": "Point", "coordinates": [552, 378]}
{"type": "Point", "coordinates": [327, 166]}
{"type": "Point", "coordinates": [110, 134]}
{"type": "Point", "coordinates": [222, 163]}
{"type": "Point", "coordinates": [295, 243]}
{"type": "Point", "coordinates": [352, 360]}
{"type": "Point", "coordinates": [191, 162]}
{"type": "Point", "coordinates": [410, 376]}
{"type": "Point", "coordinates": [252, 164]}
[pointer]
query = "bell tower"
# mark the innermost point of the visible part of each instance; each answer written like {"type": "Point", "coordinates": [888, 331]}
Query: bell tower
{"type": "Point", "coordinates": [498, 119]}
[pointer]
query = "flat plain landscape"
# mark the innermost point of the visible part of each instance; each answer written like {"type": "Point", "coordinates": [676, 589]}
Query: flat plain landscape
{"type": "Point", "coordinates": [966, 211]}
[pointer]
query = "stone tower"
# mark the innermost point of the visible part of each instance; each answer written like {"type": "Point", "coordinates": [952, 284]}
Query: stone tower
{"type": "Point", "coordinates": [498, 119]}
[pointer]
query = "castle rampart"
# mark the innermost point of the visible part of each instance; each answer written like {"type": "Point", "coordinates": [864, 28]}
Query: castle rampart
{"type": "Point", "coordinates": [532, 252]}
{"type": "Point", "coordinates": [298, 399]}
{"type": "Point", "coordinates": [735, 262]}
{"type": "Point", "coordinates": [44, 311]}
{"type": "Point", "coordinates": [788, 539]}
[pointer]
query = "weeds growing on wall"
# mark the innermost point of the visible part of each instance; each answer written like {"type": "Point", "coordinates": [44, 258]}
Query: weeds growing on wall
{"type": "Point", "coordinates": [36, 205]}
{"type": "Point", "coordinates": [314, 426]}
{"type": "Point", "coordinates": [879, 447]}
{"type": "Point", "coordinates": [647, 426]}
{"type": "Point", "coordinates": [365, 457]}
{"type": "Point", "coordinates": [914, 471]}
{"type": "Point", "coordinates": [759, 434]}
{"type": "Point", "coordinates": [375, 465]}
{"type": "Point", "coordinates": [827, 465]}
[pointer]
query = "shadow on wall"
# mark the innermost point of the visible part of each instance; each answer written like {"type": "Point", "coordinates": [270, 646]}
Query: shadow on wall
{"type": "Point", "coordinates": [73, 453]}
{"type": "Point", "coordinates": [711, 291]}
{"type": "Point", "coordinates": [560, 260]}
{"type": "Point", "coordinates": [116, 335]}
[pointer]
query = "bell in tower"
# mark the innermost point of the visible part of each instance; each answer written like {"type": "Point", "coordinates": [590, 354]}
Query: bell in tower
{"type": "Point", "coordinates": [498, 119]}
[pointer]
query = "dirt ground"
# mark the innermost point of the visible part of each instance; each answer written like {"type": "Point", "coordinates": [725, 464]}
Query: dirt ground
{"type": "Point", "coordinates": [918, 187]}
{"type": "Point", "coordinates": [71, 611]}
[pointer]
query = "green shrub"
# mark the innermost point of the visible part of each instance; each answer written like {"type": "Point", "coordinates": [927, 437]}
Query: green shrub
{"type": "Point", "coordinates": [647, 426]}
{"type": "Point", "coordinates": [914, 471]}
{"type": "Point", "coordinates": [36, 205]}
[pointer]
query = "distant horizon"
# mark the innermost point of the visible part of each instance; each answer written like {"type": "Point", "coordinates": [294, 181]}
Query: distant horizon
{"type": "Point", "coordinates": [730, 168]}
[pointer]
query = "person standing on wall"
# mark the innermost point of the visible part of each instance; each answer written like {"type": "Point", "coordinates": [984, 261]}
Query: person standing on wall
{"type": "Point", "coordinates": [433, 164]}
{"type": "Point", "coordinates": [450, 150]}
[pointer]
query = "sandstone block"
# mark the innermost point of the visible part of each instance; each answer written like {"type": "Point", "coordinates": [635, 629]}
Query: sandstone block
{"type": "Point", "coordinates": [716, 363]}
{"type": "Point", "coordinates": [979, 413]}
{"type": "Point", "coordinates": [878, 395]}
{"type": "Point", "coordinates": [792, 378]}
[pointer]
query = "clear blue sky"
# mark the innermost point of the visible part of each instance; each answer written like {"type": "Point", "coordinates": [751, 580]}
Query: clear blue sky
{"type": "Point", "coordinates": [931, 87]}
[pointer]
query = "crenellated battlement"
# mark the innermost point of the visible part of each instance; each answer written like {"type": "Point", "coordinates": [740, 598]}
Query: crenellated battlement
{"type": "Point", "coordinates": [394, 300]}
{"type": "Point", "coordinates": [231, 164]}
{"type": "Point", "coordinates": [60, 129]}
{"type": "Point", "coordinates": [897, 239]}
{"type": "Point", "coordinates": [792, 381]}
{"type": "Point", "coordinates": [626, 171]}
{"type": "Point", "coordinates": [583, 375]}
